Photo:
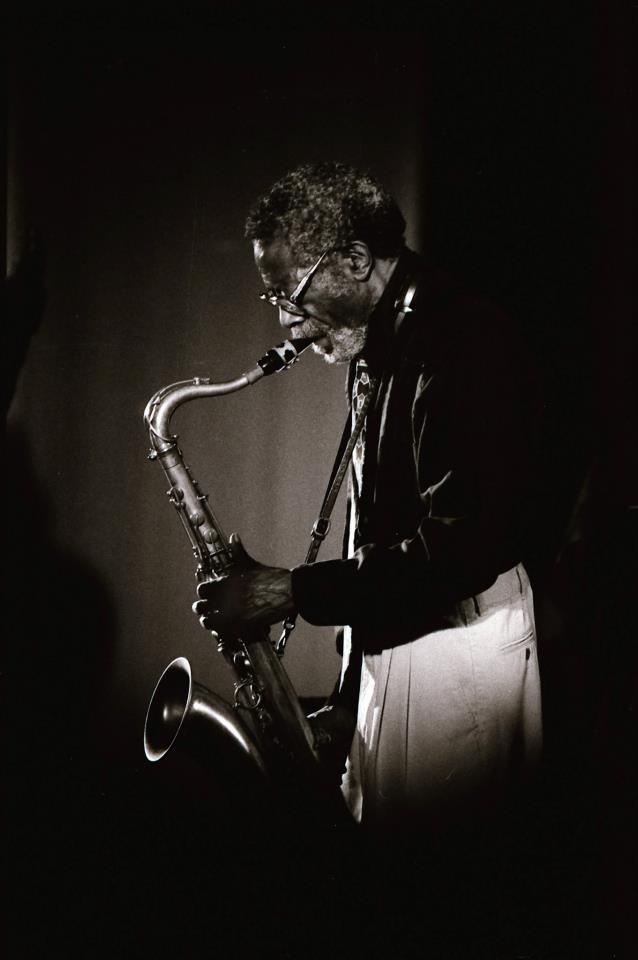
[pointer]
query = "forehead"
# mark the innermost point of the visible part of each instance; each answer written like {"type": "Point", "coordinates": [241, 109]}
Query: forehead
{"type": "Point", "coordinates": [275, 261]}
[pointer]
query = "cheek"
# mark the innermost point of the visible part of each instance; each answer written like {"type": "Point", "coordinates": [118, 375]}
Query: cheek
{"type": "Point", "coordinates": [338, 305]}
{"type": "Point", "coordinates": [351, 312]}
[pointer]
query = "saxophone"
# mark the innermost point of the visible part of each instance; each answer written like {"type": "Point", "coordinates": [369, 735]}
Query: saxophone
{"type": "Point", "coordinates": [265, 720]}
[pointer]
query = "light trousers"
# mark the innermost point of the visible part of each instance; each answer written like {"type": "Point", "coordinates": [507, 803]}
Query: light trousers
{"type": "Point", "coordinates": [452, 716]}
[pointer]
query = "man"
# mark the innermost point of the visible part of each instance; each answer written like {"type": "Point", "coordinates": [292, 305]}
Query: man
{"type": "Point", "coordinates": [439, 650]}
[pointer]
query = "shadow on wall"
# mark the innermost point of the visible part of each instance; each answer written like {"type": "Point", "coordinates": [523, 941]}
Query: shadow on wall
{"type": "Point", "coordinates": [58, 644]}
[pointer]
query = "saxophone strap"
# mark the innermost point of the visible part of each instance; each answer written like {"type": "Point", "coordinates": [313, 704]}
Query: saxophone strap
{"type": "Point", "coordinates": [321, 526]}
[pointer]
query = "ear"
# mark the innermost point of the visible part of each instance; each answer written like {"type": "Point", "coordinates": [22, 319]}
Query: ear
{"type": "Point", "coordinates": [358, 259]}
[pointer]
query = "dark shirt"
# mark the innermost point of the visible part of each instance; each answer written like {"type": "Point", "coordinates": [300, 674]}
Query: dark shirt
{"type": "Point", "coordinates": [448, 473]}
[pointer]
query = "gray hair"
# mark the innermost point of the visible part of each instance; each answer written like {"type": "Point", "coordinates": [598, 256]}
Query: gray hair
{"type": "Point", "coordinates": [329, 204]}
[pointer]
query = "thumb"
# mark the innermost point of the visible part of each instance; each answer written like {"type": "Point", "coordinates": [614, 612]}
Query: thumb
{"type": "Point", "coordinates": [237, 549]}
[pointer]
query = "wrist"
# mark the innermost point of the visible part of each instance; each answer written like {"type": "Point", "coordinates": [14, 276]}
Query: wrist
{"type": "Point", "coordinates": [272, 595]}
{"type": "Point", "coordinates": [287, 602]}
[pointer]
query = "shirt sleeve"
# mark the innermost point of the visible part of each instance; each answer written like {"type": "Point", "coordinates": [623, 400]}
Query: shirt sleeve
{"type": "Point", "coordinates": [472, 445]}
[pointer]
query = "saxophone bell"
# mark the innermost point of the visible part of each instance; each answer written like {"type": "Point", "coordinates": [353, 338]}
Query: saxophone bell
{"type": "Point", "coordinates": [181, 708]}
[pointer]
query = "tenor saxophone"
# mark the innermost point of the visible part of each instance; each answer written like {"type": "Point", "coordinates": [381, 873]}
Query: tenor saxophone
{"type": "Point", "coordinates": [265, 720]}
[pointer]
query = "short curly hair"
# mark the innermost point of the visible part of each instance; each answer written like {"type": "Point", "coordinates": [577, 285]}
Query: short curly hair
{"type": "Point", "coordinates": [328, 204]}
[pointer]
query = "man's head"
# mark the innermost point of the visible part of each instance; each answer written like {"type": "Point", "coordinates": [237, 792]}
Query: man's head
{"type": "Point", "coordinates": [333, 210]}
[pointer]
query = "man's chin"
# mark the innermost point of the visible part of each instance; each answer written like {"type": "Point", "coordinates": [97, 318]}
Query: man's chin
{"type": "Point", "coordinates": [342, 348]}
{"type": "Point", "coordinates": [332, 355]}
{"type": "Point", "coordinates": [326, 349]}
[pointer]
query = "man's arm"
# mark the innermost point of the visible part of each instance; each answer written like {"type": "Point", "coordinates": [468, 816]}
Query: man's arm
{"type": "Point", "coordinates": [472, 459]}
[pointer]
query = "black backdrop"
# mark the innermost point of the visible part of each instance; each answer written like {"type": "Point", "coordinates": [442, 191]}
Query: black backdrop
{"type": "Point", "coordinates": [134, 154]}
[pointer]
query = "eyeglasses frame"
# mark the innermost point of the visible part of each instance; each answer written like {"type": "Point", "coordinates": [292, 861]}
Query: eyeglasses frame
{"type": "Point", "coordinates": [297, 295]}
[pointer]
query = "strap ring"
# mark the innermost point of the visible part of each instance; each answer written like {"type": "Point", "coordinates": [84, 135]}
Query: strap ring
{"type": "Point", "coordinates": [321, 528]}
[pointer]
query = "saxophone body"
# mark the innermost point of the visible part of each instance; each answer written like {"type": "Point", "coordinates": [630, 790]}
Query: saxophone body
{"type": "Point", "coordinates": [265, 720]}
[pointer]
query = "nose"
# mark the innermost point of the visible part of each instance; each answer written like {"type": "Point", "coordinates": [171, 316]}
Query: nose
{"type": "Point", "coordinates": [287, 320]}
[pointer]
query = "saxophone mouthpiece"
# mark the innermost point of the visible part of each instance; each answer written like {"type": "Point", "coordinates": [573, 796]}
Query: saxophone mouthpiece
{"type": "Point", "coordinates": [301, 343]}
{"type": "Point", "coordinates": [284, 355]}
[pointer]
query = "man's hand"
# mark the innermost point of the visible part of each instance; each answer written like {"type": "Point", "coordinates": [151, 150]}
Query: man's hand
{"type": "Point", "coordinates": [252, 594]}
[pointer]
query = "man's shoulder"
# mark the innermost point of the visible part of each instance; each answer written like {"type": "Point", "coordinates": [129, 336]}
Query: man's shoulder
{"type": "Point", "coordinates": [449, 320]}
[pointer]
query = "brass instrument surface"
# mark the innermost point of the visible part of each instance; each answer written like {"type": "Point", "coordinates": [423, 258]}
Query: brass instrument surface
{"type": "Point", "coordinates": [270, 725]}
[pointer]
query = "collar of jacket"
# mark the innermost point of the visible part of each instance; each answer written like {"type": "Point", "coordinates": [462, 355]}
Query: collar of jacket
{"type": "Point", "coordinates": [385, 320]}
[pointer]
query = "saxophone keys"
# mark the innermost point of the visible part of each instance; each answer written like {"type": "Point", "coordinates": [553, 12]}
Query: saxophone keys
{"type": "Point", "coordinates": [175, 495]}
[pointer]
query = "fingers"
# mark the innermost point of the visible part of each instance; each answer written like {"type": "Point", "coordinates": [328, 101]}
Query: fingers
{"type": "Point", "coordinates": [223, 602]}
{"type": "Point", "coordinates": [207, 617]}
{"type": "Point", "coordinates": [207, 624]}
{"type": "Point", "coordinates": [215, 604]}
{"type": "Point", "coordinates": [206, 589]}
{"type": "Point", "coordinates": [237, 549]}
{"type": "Point", "coordinates": [210, 589]}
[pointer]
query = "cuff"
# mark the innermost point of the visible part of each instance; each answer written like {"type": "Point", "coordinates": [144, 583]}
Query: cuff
{"type": "Point", "coordinates": [324, 592]}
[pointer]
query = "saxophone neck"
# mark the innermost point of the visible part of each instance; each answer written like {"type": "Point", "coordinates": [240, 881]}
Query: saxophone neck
{"type": "Point", "coordinates": [164, 403]}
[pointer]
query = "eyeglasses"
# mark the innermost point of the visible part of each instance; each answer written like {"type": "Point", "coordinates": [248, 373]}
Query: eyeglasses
{"type": "Point", "coordinates": [292, 304]}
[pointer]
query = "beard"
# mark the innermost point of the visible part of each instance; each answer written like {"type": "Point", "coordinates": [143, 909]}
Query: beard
{"type": "Point", "coordinates": [343, 344]}
{"type": "Point", "coordinates": [341, 329]}
{"type": "Point", "coordinates": [347, 334]}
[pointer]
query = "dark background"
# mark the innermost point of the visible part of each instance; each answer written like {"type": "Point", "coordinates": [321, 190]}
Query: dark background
{"type": "Point", "coordinates": [135, 151]}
